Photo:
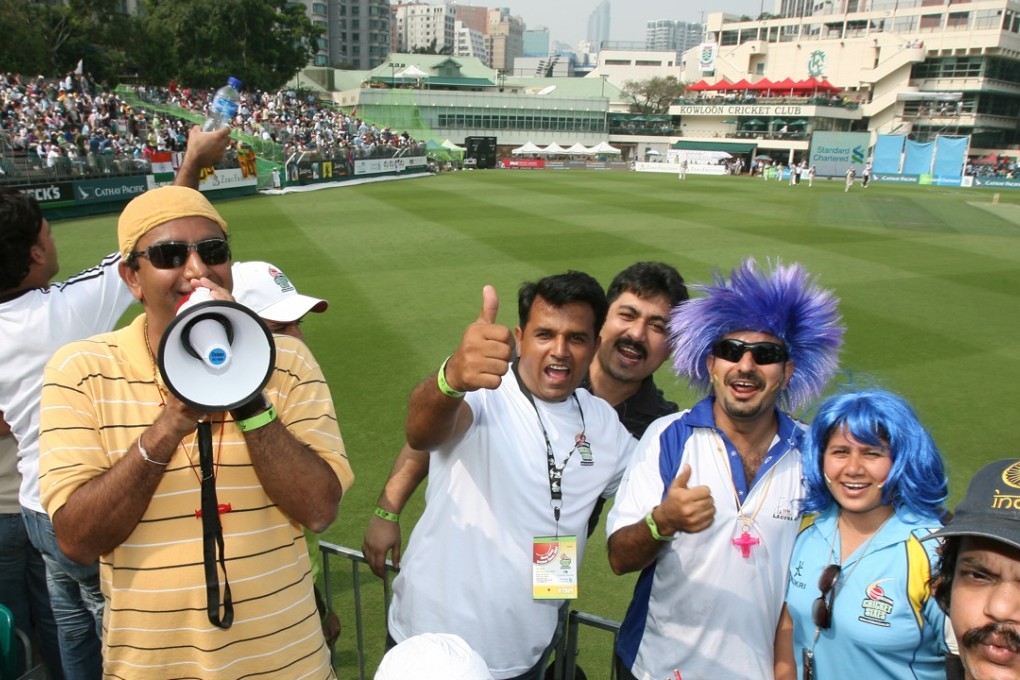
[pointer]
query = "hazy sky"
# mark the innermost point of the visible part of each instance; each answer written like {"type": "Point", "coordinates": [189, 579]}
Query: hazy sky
{"type": "Point", "coordinates": [567, 20]}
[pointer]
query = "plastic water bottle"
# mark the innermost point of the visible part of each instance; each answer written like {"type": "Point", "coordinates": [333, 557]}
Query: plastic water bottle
{"type": "Point", "coordinates": [224, 106]}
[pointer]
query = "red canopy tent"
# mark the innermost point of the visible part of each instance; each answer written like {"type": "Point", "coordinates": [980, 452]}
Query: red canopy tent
{"type": "Point", "coordinates": [697, 87]}
{"type": "Point", "coordinates": [721, 86]}
{"type": "Point", "coordinates": [762, 85]}
{"type": "Point", "coordinates": [786, 84]}
{"type": "Point", "coordinates": [741, 84]}
{"type": "Point", "coordinates": [826, 86]}
{"type": "Point", "coordinates": [807, 85]}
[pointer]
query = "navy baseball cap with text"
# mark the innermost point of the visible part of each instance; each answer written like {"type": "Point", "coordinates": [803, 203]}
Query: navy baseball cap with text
{"type": "Point", "coordinates": [991, 508]}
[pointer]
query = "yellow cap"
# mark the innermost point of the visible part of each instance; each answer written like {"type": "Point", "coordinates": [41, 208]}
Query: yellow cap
{"type": "Point", "coordinates": [158, 206]}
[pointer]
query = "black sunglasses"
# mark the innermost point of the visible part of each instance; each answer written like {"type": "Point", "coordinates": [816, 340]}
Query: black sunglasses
{"type": "Point", "coordinates": [173, 254]}
{"type": "Point", "coordinates": [763, 352]}
{"type": "Point", "coordinates": [821, 611]}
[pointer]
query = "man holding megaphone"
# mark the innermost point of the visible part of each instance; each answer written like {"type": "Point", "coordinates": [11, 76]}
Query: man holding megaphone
{"type": "Point", "coordinates": [189, 481]}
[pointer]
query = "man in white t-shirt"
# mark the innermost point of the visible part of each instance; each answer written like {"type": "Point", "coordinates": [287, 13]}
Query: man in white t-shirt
{"type": "Point", "coordinates": [520, 455]}
{"type": "Point", "coordinates": [706, 509]}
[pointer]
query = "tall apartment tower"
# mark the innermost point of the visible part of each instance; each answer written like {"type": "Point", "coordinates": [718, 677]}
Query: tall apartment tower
{"type": "Point", "coordinates": [536, 42]}
{"type": "Point", "coordinates": [504, 39]}
{"type": "Point", "coordinates": [598, 25]}
{"type": "Point", "coordinates": [356, 33]}
{"type": "Point", "coordinates": [470, 43]}
{"type": "Point", "coordinates": [421, 26]}
{"type": "Point", "coordinates": [665, 35]}
{"type": "Point", "coordinates": [475, 18]}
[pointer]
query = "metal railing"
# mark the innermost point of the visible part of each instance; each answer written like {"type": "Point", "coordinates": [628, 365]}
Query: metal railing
{"type": "Point", "coordinates": [567, 650]}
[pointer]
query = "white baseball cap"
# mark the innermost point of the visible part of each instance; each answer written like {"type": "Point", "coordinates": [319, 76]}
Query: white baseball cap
{"type": "Point", "coordinates": [433, 656]}
{"type": "Point", "coordinates": [264, 289]}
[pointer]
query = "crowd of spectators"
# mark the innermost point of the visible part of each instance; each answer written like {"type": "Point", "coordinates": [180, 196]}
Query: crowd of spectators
{"type": "Point", "coordinates": [73, 127]}
{"type": "Point", "coordinates": [1004, 166]}
{"type": "Point", "coordinates": [299, 122]}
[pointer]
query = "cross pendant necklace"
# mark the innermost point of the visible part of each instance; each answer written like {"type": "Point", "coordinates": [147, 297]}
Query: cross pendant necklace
{"type": "Point", "coordinates": [747, 540]}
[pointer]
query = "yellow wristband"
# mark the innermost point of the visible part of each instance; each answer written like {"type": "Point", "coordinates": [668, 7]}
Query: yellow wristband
{"type": "Point", "coordinates": [654, 528]}
{"type": "Point", "coordinates": [258, 420]}
{"type": "Point", "coordinates": [387, 515]}
{"type": "Point", "coordinates": [444, 386]}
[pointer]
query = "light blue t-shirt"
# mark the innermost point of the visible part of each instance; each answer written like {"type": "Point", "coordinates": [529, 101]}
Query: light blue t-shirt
{"type": "Point", "coordinates": [885, 624]}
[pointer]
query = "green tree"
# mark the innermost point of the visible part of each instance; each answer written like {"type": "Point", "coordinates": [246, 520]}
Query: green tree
{"type": "Point", "coordinates": [50, 38]}
{"type": "Point", "coordinates": [201, 42]}
{"type": "Point", "coordinates": [23, 48]}
{"type": "Point", "coordinates": [653, 95]}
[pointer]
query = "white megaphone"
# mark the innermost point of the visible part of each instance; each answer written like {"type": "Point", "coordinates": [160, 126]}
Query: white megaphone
{"type": "Point", "coordinates": [215, 355]}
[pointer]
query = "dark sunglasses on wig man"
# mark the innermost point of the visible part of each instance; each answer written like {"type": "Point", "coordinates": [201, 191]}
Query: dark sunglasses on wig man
{"type": "Point", "coordinates": [763, 353]}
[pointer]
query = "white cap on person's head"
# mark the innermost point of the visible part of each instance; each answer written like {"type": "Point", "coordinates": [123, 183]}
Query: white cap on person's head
{"type": "Point", "coordinates": [433, 656]}
{"type": "Point", "coordinates": [263, 288]}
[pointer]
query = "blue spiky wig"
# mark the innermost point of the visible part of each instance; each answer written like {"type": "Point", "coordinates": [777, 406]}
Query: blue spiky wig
{"type": "Point", "coordinates": [784, 302]}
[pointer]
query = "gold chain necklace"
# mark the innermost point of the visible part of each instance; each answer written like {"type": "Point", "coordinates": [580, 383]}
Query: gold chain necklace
{"type": "Point", "coordinates": [152, 357]}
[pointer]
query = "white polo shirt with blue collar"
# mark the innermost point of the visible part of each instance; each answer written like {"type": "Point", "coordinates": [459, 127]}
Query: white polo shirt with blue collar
{"type": "Point", "coordinates": [702, 607]}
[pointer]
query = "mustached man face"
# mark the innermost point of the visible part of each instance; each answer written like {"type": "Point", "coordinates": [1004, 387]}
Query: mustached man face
{"type": "Point", "coordinates": [985, 609]}
{"type": "Point", "coordinates": [634, 337]}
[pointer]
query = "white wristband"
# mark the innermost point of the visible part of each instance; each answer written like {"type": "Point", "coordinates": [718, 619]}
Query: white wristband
{"type": "Point", "coordinates": [145, 454]}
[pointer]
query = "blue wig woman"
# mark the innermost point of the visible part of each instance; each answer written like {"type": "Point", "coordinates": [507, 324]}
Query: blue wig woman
{"type": "Point", "coordinates": [858, 594]}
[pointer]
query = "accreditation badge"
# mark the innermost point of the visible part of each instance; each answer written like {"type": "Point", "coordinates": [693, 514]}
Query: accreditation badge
{"type": "Point", "coordinates": [554, 568]}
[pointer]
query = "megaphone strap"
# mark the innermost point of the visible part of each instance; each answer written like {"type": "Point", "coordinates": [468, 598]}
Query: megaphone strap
{"type": "Point", "coordinates": [219, 449]}
{"type": "Point", "coordinates": [212, 537]}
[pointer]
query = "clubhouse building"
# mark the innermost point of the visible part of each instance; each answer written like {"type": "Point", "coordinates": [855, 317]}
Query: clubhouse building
{"type": "Point", "coordinates": [920, 69]}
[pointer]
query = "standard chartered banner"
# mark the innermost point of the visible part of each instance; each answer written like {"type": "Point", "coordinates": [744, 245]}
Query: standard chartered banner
{"type": "Point", "coordinates": [833, 153]}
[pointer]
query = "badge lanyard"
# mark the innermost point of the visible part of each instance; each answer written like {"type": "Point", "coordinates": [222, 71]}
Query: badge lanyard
{"type": "Point", "coordinates": [555, 471]}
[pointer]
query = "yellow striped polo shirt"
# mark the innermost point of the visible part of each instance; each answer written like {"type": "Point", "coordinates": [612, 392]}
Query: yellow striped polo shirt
{"type": "Point", "coordinates": [98, 396]}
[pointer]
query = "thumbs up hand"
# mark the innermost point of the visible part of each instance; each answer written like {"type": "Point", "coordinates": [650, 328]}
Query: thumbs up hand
{"type": "Point", "coordinates": [686, 508]}
{"type": "Point", "coordinates": [485, 350]}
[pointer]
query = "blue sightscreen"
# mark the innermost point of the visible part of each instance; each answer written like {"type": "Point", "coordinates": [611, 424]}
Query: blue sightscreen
{"type": "Point", "coordinates": [888, 150]}
{"type": "Point", "coordinates": [918, 160]}
{"type": "Point", "coordinates": [949, 156]}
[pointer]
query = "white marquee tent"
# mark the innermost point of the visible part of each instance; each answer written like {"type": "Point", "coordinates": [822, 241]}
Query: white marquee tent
{"type": "Point", "coordinates": [579, 149]}
{"type": "Point", "coordinates": [528, 148]}
{"type": "Point", "coordinates": [605, 148]}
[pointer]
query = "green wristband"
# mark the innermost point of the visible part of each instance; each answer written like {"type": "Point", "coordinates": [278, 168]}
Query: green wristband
{"type": "Point", "coordinates": [387, 515]}
{"type": "Point", "coordinates": [258, 420]}
{"type": "Point", "coordinates": [444, 386]}
{"type": "Point", "coordinates": [654, 528]}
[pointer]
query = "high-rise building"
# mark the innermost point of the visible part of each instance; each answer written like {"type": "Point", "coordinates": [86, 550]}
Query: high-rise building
{"type": "Point", "coordinates": [536, 42]}
{"type": "Point", "coordinates": [505, 39]}
{"type": "Point", "coordinates": [598, 25]}
{"type": "Point", "coordinates": [664, 35]}
{"type": "Point", "coordinates": [475, 18]}
{"type": "Point", "coordinates": [424, 26]}
{"type": "Point", "coordinates": [356, 33]}
{"type": "Point", "coordinates": [470, 43]}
